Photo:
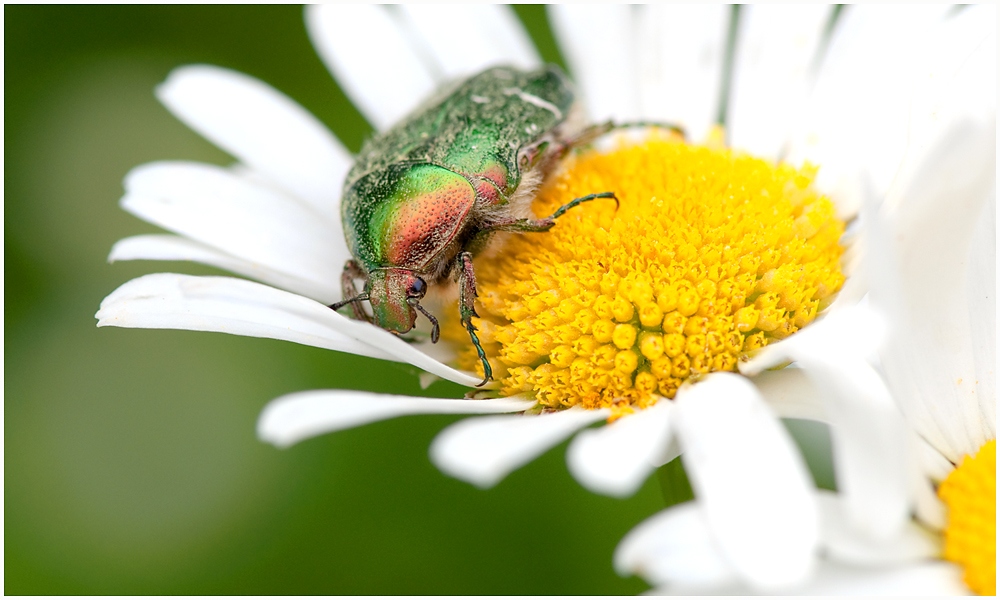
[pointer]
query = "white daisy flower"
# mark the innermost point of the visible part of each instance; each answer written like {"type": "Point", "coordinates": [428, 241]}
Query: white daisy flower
{"type": "Point", "coordinates": [274, 217]}
{"type": "Point", "coordinates": [938, 357]}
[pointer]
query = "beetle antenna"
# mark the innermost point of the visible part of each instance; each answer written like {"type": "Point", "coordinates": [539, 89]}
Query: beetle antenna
{"type": "Point", "coordinates": [435, 331]}
{"type": "Point", "coordinates": [343, 303]}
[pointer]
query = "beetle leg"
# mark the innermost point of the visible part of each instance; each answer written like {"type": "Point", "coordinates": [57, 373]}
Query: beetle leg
{"type": "Point", "coordinates": [593, 132]}
{"type": "Point", "coordinates": [352, 270]}
{"type": "Point", "coordinates": [659, 124]}
{"type": "Point", "coordinates": [467, 309]}
{"type": "Point", "coordinates": [538, 225]}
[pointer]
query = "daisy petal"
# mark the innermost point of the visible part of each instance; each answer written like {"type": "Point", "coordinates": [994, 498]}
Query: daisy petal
{"type": "Point", "coordinates": [681, 51]}
{"type": "Point", "coordinates": [371, 57]}
{"type": "Point", "coordinates": [751, 481]}
{"type": "Point", "coordinates": [615, 460]}
{"type": "Point", "coordinates": [484, 451]}
{"type": "Point", "coordinates": [791, 394]}
{"type": "Point", "coordinates": [870, 436]}
{"type": "Point", "coordinates": [227, 305]}
{"type": "Point", "coordinates": [295, 417]}
{"type": "Point", "coordinates": [221, 209]}
{"type": "Point", "coordinates": [930, 359]}
{"type": "Point", "coordinates": [466, 38]}
{"type": "Point", "coordinates": [172, 247]}
{"type": "Point", "coordinates": [263, 128]}
{"type": "Point", "coordinates": [598, 42]}
{"type": "Point", "coordinates": [856, 331]}
{"type": "Point", "coordinates": [674, 546]}
{"type": "Point", "coordinates": [240, 307]}
{"type": "Point", "coordinates": [928, 507]}
{"type": "Point", "coordinates": [983, 311]}
{"type": "Point", "coordinates": [870, 49]}
{"type": "Point", "coordinates": [938, 578]}
{"type": "Point", "coordinates": [775, 49]}
{"type": "Point", "coordinates": [911, 543]}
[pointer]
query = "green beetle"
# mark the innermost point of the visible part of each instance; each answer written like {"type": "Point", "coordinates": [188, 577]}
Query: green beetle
{"type": "Point", "coordinates": [425, 196]}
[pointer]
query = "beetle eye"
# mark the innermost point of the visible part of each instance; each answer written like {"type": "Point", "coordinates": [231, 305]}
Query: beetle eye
{"type": "Point", "coordinates": [417, 288]}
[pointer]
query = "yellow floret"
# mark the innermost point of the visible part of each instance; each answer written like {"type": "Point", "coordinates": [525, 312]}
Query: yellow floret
{"type": "Point", "coordinates": [970, 492]}
{"type": "Point", "coordinates": [710, 254]}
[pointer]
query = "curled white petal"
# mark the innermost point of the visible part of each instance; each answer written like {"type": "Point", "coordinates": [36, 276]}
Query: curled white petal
{"type": "Point", "coordinates": [870, 436]}
{"type": "Point", "coordinates": [910, 543]}
{"type": "Point", "coordinates": [295, 417]}
{"type": "Point", "coordinates": [221, 209]}
{"type": "Point", "coordinates": [262, 127]}
{"type": "Point", "coordinates": [674, 547]}
{"type": "Point", "coordinates": [464, 39]}
{"type": "Point", "coordinates": [370, 55]}
{"type": "Point", "coordinates": [791, 394]}
{"type": "Point", "coordinates": [748, 475]}
{"type": "Point", "coordinates": [240, 307]}
{"type": "Point", "coordinates": [854, 331]}
{"type": "Point", "coordinates": [483, 451]}
{"type": "Point", "coordinates": [615, 460]}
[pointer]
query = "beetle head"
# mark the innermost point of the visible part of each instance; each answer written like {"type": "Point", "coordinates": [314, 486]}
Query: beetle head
{"type": "Point", "coordinates": [395, 296]}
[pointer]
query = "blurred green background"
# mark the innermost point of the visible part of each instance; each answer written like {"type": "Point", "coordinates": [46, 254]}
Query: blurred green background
{"type": "Point", "coordinates": [130, 456]}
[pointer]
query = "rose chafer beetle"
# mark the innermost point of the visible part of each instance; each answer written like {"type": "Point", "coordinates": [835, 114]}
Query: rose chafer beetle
{"type": "Point", "coordinates": [426, 196]}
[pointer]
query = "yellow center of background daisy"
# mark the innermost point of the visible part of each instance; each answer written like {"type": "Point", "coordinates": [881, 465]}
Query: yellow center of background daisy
{"type": "Point", "coordinates": [970, 492]}
{"type": "Point", "coordinates": [709, 255]}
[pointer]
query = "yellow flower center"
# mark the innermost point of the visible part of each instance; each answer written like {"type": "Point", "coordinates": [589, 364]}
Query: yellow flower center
{"type": "Point", "coordinates": [970, 539]}
{"type": "Point", "coordinates": [710, 254]}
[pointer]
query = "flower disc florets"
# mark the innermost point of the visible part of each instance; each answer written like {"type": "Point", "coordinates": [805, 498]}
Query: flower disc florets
{"type": "Point", "coordinates": [709, 255]}
{"type": "Point", "coordinates": [970, 492]}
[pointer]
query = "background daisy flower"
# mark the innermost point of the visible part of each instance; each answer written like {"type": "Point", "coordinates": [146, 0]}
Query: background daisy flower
{"type": "Point", "coordinates": [938, 218]}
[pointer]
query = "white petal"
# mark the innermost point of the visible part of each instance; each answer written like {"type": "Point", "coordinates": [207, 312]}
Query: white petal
{"type": "Point", "coordinates": [928, 507]}
{"type": "Point", "coordinates": [935, 203]}
{"type": "Point", "coordinates": [371, 57]}
{"type": "Point", "coordinates": [870, 442]}
{"type": "Point", "coordinates": [464, 39]}
{"type": "Point", "coordinates": [983, 311]}
{"type": "Point", "coordinates": [615, 460]}
{"type": "Point", "coordinates": [295, 417]}
{"type": "Point", "coordinates": [674, 546]}
{"type": "Point", "coordinates": [932, 462]}
{"type": "Point", "coordinates": [227, 305]}
{"type": "Point", "coordinates": [172, 247]}
{"type": "Point", "coordinates": [791, 394]}
{"type": "Point", "coordinates": [937, 578]}
{"type": "Point", "coordinates": [680, 57]}
{"type": "Point", "coordinates": [598, 42]}
{"type": "Point", "coordinates": [775, 49]}
{"type": "Point", "coordinates": [862, 93]}
{"type": "Point", "coordinates": [484, 451]}
{"type": "Point", "coordinates": [912, 542]}
{"type": "Point", "coordinates": [221, 209]}
{"type": "Point", "coordinates": [748, 475]}
{"type": "Point", "coordinates": [856, 331]}
{"type": "Point", "coordinates": [263, 128]}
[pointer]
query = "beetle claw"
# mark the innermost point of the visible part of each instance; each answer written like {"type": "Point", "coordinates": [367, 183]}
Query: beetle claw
{"type": "Point", "coordinates": [435, 329]}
